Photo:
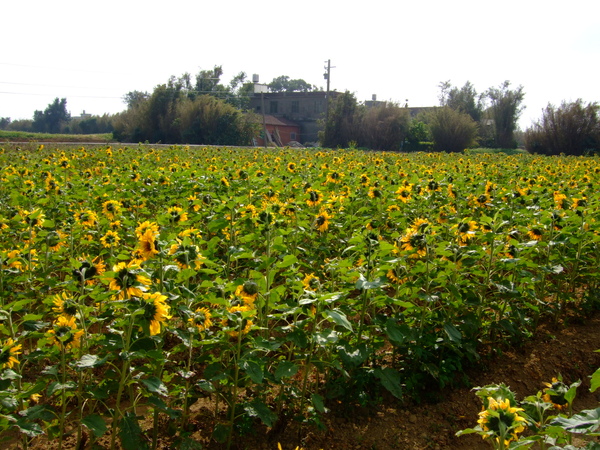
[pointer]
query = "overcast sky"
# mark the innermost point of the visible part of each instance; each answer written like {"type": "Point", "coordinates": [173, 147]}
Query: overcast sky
{"type": "Point", "coordinates": [93, 53]}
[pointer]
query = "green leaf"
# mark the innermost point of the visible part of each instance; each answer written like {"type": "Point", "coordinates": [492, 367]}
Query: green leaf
{"type": "Point", "coordinates": [88, 361]}
{"type": "Point", "coordinates": [587, 421]}
{"type": "Point", "coordinates": [318, 403]}
{"type": "Point", "coordinates": [339, 318]}
{"type": "Point", "coordinates": [390, 379]}
{"type": "Point", "coordinates": [95, 424]}
{"type": "Point", "coordinates": [217, 225]}
{"type": "Point", "coordinates": [595, 381]}
{"type": "Point", "coordinates": [254, 371]}
{"type": "Point", "coordinates": [262, 411]}
{"type": "Point", "coordinates": [288, 260]}
{"type": "Point", "coordinates": [206, 386]}
{"type": "Point", "coordinates": [221, 432]}
{"type": "Point", "coordinates": [36, 412]}
{"type": "Point", "coordinates": [30, 429]}
{"type": "Point", "coordinates": [156, 386]}
{"type": "Point", "coordinates": [131, 433]}
{"type": "Point", "coordinates": [453, 333]}
{"type": "Point", "coordinates": [286, 369]}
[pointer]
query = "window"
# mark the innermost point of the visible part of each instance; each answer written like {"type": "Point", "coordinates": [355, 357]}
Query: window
{"type": "Point", "coordinates": [293, 136]}
{"type": "Point", "coordinates": [273, 107]}
{"type": "Point", "coordinates": [295, 106]}
{"type": "Point", "coordinates": [318, 106]}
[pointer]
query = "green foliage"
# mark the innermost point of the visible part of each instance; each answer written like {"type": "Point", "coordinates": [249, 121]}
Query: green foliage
{"type": "Point", "coordinates": [283, 83]}
{"type": "Point", "coordinates": [452, 131]}
{"type": "Point", "coordinates": [52, 118]}
{"type": "Point", "coordinates": [572, 129]}
{"type": "Point", "coordinates": [177, 112]}
{"type": "Point", "coordinates": [382, 127]}
{"type": "Point", "coordinates": [464, 100]}
{"type": "Point", "coordinates": [506, 107]}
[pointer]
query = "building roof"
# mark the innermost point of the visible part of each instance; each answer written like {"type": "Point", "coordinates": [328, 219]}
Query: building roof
{"type": "Point", "coordinates": [276, 121]}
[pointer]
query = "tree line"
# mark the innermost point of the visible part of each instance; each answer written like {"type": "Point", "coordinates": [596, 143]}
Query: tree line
{"type": "Point", "coordinates": [201, 109]}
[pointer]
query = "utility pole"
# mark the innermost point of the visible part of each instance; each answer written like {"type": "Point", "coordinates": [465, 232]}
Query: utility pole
{"type": "Point", "coordinates": [327, 76]}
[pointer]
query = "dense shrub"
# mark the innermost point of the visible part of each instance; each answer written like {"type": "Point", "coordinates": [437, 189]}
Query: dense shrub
{"type": "Point", "coordinates": [384, 127]}
{"type": "Point", "coordinates": [572, 129]}
{"type": "Point", "coordinates": [452, 131]}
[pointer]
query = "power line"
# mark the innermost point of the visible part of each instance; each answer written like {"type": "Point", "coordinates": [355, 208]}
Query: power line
{"type": "Point", "coordinates": [53, 95]}
{"type": "Point", "coordinates": [57, 86]}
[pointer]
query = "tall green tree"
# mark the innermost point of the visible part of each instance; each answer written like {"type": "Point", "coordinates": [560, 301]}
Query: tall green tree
{"type": "Point", "coordinates": [342, 125]}
{"type": "Point", "coordinates": [465, 99]}
{"type": "Point", "coordinates": [572, 129]}
{"type": "Point", "coordinates": [506, 107]}
{"type": "Point", "coordinates": [52, 118]}
{"type": "Point", "coordinates": [283, 83]}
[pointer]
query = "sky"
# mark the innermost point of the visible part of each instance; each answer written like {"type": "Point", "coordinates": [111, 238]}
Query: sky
{"type": "Point", "coordinates": [92, 54]}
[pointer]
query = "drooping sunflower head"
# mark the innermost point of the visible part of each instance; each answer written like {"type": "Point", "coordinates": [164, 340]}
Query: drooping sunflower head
{"type": "Point", "coordinates": [147, 246]}
{"type": "Point", "coordinates": [156, 310]}
{"type": "Point", "coordinates": [64, 304]}
{"type": "Point", "coordinates": [128, 280]}
{"type": "Point", "coordinates": [501, 421]}
{"type": "Point", "coordinates": [248, 292]}
{"type": "Point", "coordinates": [8, 355]}
{"type": "Point", "coordinates": [535, 233]}
{"type": "Point", "coordinates": [314, 197]}
{"type": "Point", "coordinates": [186, 255]}
{"type": "Point", "coordinates": [65, 333]}
{"type": "Point", "coordinates": [201, 319]}
{"type": "Point", "coordinates": [322, 221]}
{"type": "Point", "coordinates": [555, 393]}
{"type": "Point", "coordinates": [88, 269]}
{"type": "Point", "coordinates": [112, 208]}
{"type": "Point", "coordinates": [176, 214]}
{"type": "Point", "coordinates": [145, 226]}
{"type": "Point", "coordinates": [238, 321]}
{"type": "Point", "coordinates": [311, 282]}
{"type": "Point", "coordinates": [110, 239]}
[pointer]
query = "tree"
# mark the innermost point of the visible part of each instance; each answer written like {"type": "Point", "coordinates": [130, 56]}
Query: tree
{"type": "Point", "coordinates": [134, 98]}
{"type": "Point", "coordinates": [4, 123]}
{"type": "Point", "coordinates": [451, 130]}
{"type": "Point", "coordinates": [464, 100]}
{"type": "Point", "coordinates": [341, 127]}
{"type": "Point", "coordinates": [283, 83]}
{"type": "Point", "coordinates": [53, 118]}
{"type": "Point", "coordinates": [383, 127]}
{"type": "Point", "coordinates": [572, 129]}
{"type": "Point", "coordinates": [505, 111]}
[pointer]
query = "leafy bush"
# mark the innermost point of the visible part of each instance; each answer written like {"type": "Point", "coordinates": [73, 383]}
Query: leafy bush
{"type": "Point", "coordinates": [452, 131]}
{"type": "Point", "coordinates": [572, 129]}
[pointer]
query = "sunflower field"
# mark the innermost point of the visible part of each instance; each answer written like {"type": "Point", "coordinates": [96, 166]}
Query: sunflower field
{"type": "Point", "coordinates": [139, 282]}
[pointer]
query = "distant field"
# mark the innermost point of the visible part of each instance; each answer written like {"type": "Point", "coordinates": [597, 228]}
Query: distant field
{"type": "Point", "coordinates": [23, 136]}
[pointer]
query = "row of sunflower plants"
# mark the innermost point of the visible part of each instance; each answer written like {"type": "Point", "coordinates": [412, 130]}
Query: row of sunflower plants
{"type": "Point", "coordinates": [269, 283]}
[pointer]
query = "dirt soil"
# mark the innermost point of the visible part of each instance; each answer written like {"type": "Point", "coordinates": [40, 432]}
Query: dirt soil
{"type": "Point", "coordinates": [569, 351]}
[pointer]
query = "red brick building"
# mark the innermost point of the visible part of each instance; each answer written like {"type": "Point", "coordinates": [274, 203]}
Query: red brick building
{"type": "Point", "coordinates": [280, 131]}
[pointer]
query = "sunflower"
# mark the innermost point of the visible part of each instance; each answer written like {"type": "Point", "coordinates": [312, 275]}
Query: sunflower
{"type": "Point", "coordinates": [314, 197]}
{"type": "Point", "coordinates": [112, 208]}
{"type": "Point", "coordinates": [248, 292]}
{"type": "Point", "coordinates": [311, 282]}
{"type": "Point", "coordinates": [128, 280]}
{"type": "Point", "coordinates": [291, 167]}
{"type": "Point", "coordinates": [535, 233]}
{"type": "Point", "coordinates": [176, 214]}
{"type": "Point", "coordinates": [147, 245]}
{"type": "Point", "coordinates": [65, 332]}
{"type": "Point", "coordinates": [237, 321]}
{"type": "Point", "coordinates": [224, 182]}
{"type": "Point", "coordinates": [145, 226]}
{"type": "Point", "coordinates": [322, 221]}
{"type": "Point", "coordinates": [33, 218]}
{"type": "Point", "coordinates": [55, 240]}
{"type": "Point", "coordinates": [88, 269]}
{"type": "Point", "coordinates": [579, 202]}
{"type": "Point", "coordinates": [64, 304]}
{"type": "Point", "coordinates": [560, 200]}
{"type": "Point", "coordinates": [374, 192]}
{"type": "Point", "coordinates": [414, 241]}
{"type": "Point", "coordinates": [404, 193]}
{"type": "Point", "coordinates": [156, 311]}
{"type": "Point", "coordinates": [110, 239]}
{"type": "Point", "coordinates": [8, 354]}
{"type": "Point", "coordinates": [333, 177]}
{"type": "Point", "coordinates": [466, 231]}
{"type": "Point", "coordinates": [555, 393]}
{"type": "Point", "coordinates": [186, 255]}
{"type": "Point", "coordinates": [86, 218]}
{"type": "Point", "coordinates": [501, 421]}
{"type": "Point", "coordinates": [201, 319]}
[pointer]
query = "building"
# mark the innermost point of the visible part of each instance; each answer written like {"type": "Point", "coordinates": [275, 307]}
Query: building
{"type": "Point", "coordinates": [280, 131]}
{"type": "Point", "coordinates": [303, 109]}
